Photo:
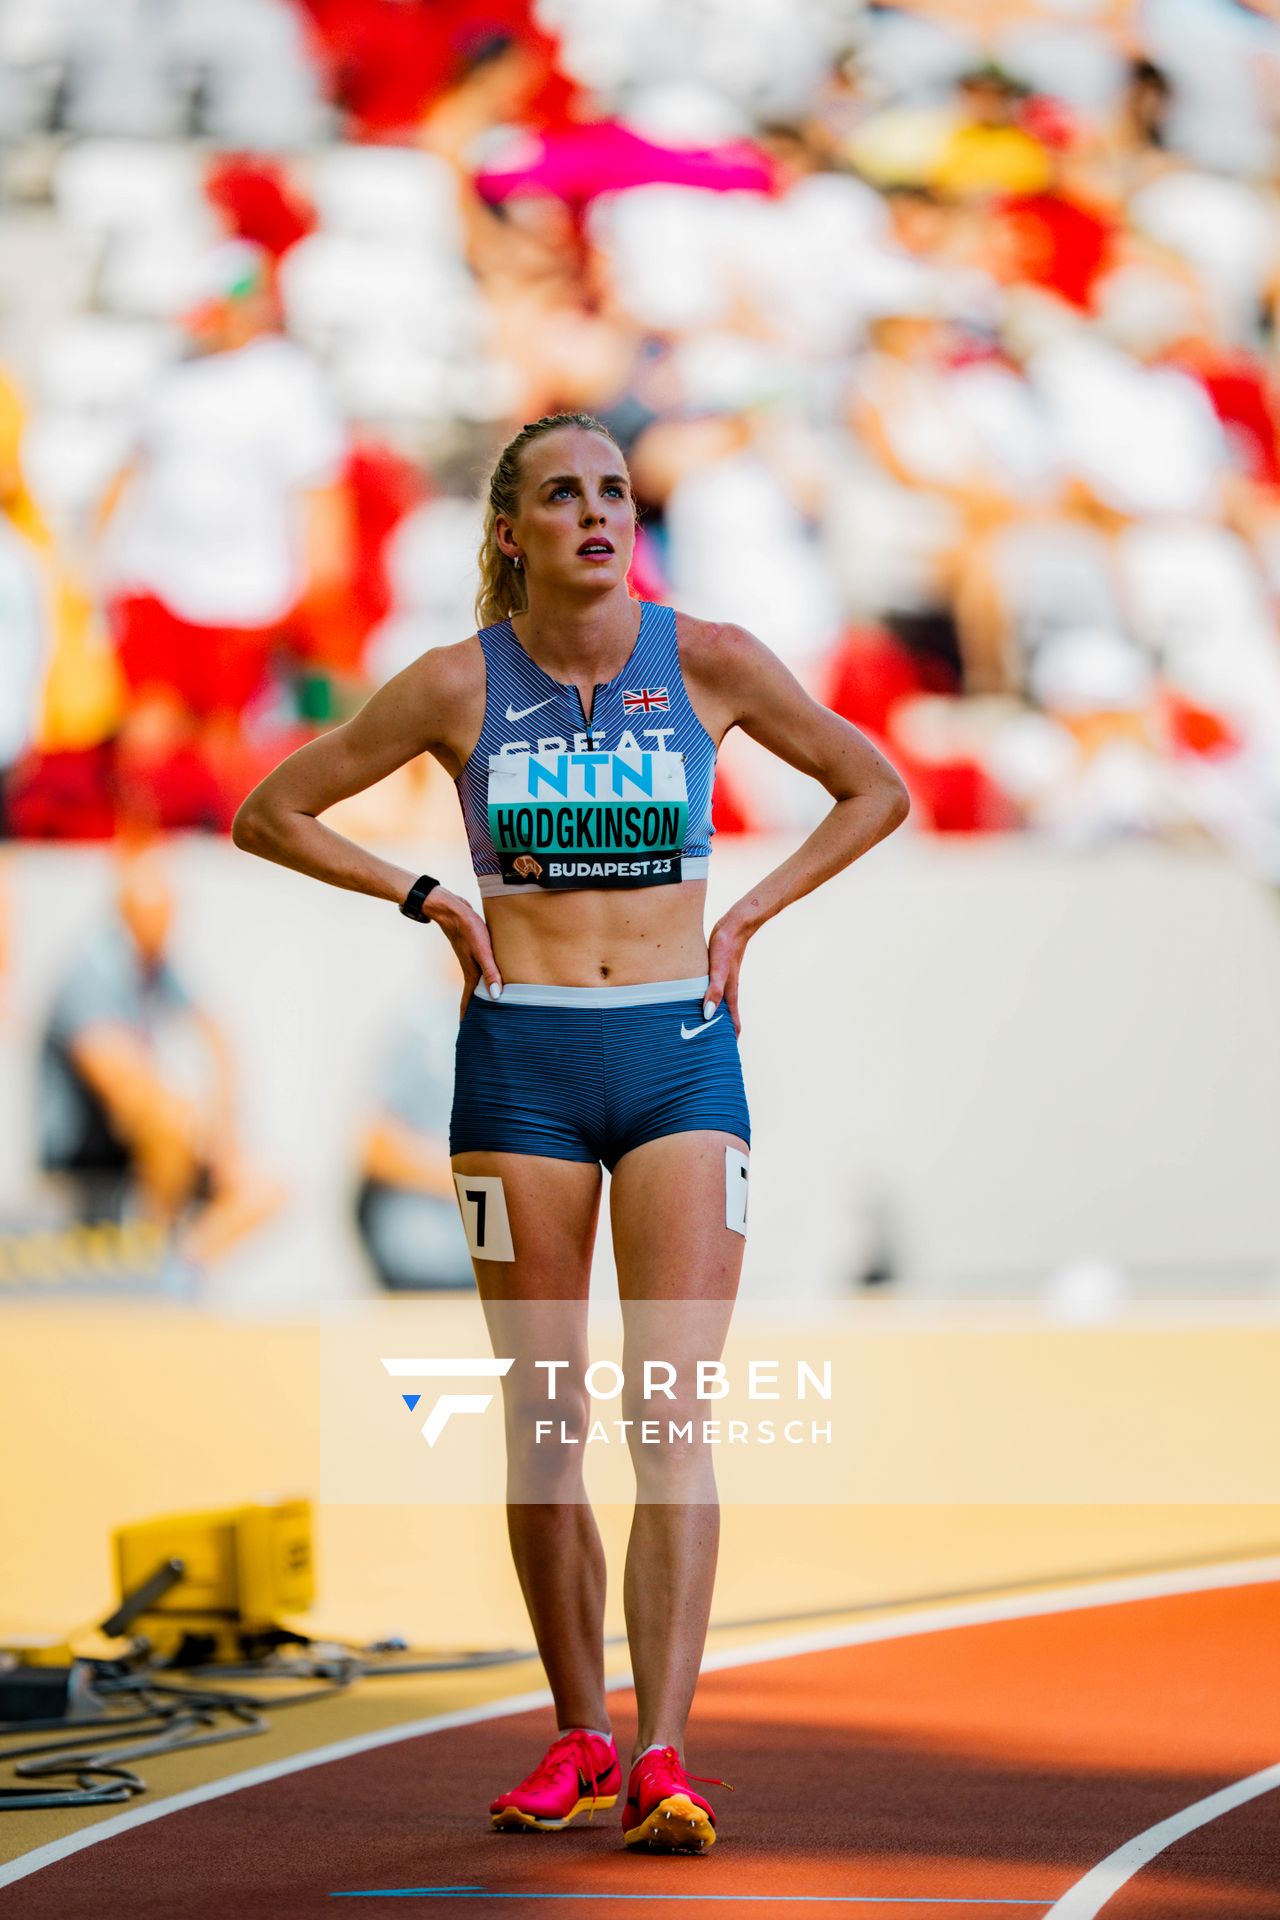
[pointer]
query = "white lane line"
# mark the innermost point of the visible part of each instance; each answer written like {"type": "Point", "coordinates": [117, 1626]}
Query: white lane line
{"type": "Point", "coordinates": [764, 1899]}
{"type": "Point", "coordinates": [1090, 1895]}
{"type": "Point", "coordinates": [900, 1626]}
{"type": "Point", "coordinates": [69, 1843]}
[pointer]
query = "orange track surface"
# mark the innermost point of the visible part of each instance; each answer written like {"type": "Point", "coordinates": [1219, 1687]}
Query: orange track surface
{"type": "Point", "coordinates": [958, 1775]}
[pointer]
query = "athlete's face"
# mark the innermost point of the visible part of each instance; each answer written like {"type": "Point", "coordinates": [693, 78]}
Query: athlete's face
{"type": "Point", "coordinates": [575, 527]}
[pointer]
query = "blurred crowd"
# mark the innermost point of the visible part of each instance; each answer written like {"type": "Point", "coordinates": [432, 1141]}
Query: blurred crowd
{"type": "Point", "coordinates": [941, 340]}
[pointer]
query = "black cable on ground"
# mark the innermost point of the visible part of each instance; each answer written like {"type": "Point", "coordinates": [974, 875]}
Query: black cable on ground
{"type": "Point", "coordinates": [178, 1717]}
{"type": "Point", "coordinates": [184, 1716]}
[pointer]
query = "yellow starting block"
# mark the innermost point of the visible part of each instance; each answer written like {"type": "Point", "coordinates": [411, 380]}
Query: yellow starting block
{"type": "Point", "coordinates": [229, 1576]}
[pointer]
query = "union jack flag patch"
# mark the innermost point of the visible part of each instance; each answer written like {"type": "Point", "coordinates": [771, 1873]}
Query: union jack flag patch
{"type": "Point", "coordinates": [644, 700]}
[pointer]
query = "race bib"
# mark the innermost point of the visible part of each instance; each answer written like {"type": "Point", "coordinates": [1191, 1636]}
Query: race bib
{"type": "Point", "coordinates": [588, 819]}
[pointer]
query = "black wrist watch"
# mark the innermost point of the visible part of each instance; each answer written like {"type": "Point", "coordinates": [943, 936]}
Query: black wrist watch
{"type": "Point", "coordinates": [411, 905]}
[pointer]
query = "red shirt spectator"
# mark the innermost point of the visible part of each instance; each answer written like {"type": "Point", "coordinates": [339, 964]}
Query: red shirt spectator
{"type": "Point", "coordinates": [1053, 241]}
{"type": "Point", "coordinates": [871, 672]}
{"type": "Point", "coordinates": [1243, 400]}
{"type": "Point", "coordinates": [330, 628]}
{"type": "Point", "coordinates": [259, 202]}
{"type": "Point", "coordinates": [388, 60]}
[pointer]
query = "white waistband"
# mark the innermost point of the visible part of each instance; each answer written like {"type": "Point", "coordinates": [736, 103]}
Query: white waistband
{"type": "Point", "coordinates": [645, 993]}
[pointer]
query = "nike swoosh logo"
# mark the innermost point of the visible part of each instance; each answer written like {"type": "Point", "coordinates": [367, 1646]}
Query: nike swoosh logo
{"type": "Point", "coordinates": [691, 1033]}
{"type": "Point", "coordinates": [519, 713]}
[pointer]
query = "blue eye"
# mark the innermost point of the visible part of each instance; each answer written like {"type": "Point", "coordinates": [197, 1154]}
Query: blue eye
{"type": "Point", "coordinates": [612, 487]}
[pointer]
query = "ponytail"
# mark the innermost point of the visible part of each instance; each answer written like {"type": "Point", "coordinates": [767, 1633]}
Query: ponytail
{"type": "Point", "coordinates": [502, 584]}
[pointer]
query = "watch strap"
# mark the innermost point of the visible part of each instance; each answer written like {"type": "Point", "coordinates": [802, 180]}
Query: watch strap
{"type": "Point", "coordinates": [411, 905]}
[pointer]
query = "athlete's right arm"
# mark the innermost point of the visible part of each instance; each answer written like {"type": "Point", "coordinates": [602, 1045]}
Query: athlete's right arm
{"type": "Point", "coordinates": [434, 706]}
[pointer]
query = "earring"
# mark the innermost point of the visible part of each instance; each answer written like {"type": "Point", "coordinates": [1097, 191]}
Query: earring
{"type": "Point", "coordinates": [515, 561]}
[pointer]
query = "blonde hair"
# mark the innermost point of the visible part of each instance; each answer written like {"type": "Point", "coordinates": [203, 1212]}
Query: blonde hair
{"type": "Point", "coordinates": [502, 586]}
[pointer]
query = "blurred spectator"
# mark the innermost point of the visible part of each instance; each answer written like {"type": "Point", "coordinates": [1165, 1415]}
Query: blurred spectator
{"type": "Point", "coordinates": [406, 1205]}
{"type": "Point", "coordinates": [739, 542]}
{"type": "Point", "coordinates": [382, 487]}
{"type": "Point", "coordinates": [1122, 155]}
{"type": "Point", "coordinates": [942, 347]}
{"type": "Point", "coordinates": [59, 692]}
{"type": "Point", "coordinates": [137, 1087]}
{"type": "Point", "coordinates": [499, 79]}
{"type": "Point", "coordinates": [16, 500]}
{"type": "Point", "coordinates": [1145, 115]}
{"type": "Point", "coordinates": [1033, 579]}
{"type": "Point", "coordinates": [947, 452]}
{"type": "Point", "coordinates": [230, 515]}
{"type": "Point", "coordinates": [23, 616]}
{"type": "Point", "coordinates": [259, 202]}
{"type": "Point", "coordinates": [542, 328]}
{"type": "Point", "coordinates": [940, 755]}
{"type": "Point", "coordinates": [388, 61]}
{"type": "Point", "coordinates": [989, 150]}
{"type": "Point", "coordinates": [578, 163]}
{"type": "Point", "coordinates": [1141, 437]}
{"type": "Point", "coordinates": [1053, 240]}
{"type": "Point", "coordinates": [873, 673]}
{"type": "Point", "coordinates": [891, 692]}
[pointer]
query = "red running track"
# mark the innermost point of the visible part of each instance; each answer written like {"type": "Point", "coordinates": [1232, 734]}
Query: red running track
{"type": "Point", "coordinates": [974, 1773]}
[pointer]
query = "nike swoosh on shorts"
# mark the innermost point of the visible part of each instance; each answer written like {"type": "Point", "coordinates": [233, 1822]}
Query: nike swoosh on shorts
{"type": "Point", "coordinates": [519, 713]}
{"type": "Point", "coordinates": [691, 1033]}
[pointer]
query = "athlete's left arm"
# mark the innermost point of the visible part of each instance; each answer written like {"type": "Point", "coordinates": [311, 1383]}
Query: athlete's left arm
{"type": "Point", "coordinates": [736, 681]}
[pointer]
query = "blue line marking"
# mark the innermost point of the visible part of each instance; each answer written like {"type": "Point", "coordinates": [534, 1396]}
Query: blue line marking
{"type": "Point", "coordinates": [817, 1899]}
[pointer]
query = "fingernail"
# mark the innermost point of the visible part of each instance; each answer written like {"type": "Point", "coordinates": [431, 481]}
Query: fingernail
{"type": "Point", "coordinates": [495, 989]}
{"type": "Point", "coordinates": [708, 1008]}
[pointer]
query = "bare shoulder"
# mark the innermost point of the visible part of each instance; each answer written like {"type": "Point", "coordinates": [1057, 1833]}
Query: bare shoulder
{"type": "Point", "coordinates": [442, 693]}
{"type": "Point", "coordinates": [452, 673]}
{"type": "Point", "coordinates": [721, 663]}
{"type": "Point", "coordinates": [711, 649]}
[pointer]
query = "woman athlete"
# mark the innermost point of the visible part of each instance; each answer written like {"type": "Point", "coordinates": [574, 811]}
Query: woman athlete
{"type": "Point", "coordinates": [581, 727]}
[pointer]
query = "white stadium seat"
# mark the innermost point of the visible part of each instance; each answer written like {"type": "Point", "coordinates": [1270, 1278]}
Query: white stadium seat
{"type": "Point", "coordinates": [106, 187]}
{"type": "Point", "coordinates": [69, 460]}
{"type": "Point", "coordinates": [337, 288]}
{"type": "Point", "coordinates": [430, 557]}
{"type": "Point", "coordinates": [100, 364]}
{"type": "Point", "coordinates": [388, 193]}
{"type": "Point", "coordinates": [149, 275]}
{"type": "Point", "coordinates": [1197, 598]}
{"type": "Point", "coordinates": [121, 78]}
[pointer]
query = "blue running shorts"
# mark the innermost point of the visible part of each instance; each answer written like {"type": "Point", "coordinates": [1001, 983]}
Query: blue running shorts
{"type": "Point", "coordinates": [588, 1073]}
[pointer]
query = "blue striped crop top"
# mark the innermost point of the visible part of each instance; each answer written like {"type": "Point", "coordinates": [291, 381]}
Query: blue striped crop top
{"type": "Point", "coordinates": [551, 805]}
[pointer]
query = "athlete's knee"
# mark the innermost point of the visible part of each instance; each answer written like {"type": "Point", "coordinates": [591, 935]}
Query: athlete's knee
{"type": "Point", "coordinates": [532, 1414]}
{"type": "Point", "coordinates": [668, 1448]}
{"type": "Point", "coordinates": [545, 1447]}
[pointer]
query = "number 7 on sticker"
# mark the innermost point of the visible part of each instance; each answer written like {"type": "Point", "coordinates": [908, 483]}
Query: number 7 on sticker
{"type": "Point", "coordinates": [484, 1215]}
